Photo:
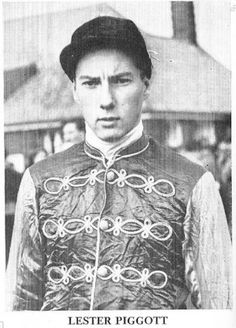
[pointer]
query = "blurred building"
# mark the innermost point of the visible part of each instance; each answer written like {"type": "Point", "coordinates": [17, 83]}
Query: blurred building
{"type": "Point", "coordinates": [190, 95]}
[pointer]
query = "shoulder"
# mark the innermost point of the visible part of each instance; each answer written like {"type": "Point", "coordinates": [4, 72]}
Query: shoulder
{"type": "Point", "coordinates": [173, 163]}
{"type": "Point", "coordinates": [59, 163]}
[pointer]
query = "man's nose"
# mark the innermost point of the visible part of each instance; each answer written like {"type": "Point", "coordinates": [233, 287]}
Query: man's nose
{"type": "Point", "coordinates": [107, 99]}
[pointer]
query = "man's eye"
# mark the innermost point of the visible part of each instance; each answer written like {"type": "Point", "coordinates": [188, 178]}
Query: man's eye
{"type": "Point", "coordinates": [90, 83]}
{"type": "Point", "coordinates": [121, 81]}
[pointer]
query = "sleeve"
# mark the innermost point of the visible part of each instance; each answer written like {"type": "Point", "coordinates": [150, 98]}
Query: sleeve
{"type": "Point", "coordinates": [207, 247]}
{"type": "Point", "coordinates": [24, 276]}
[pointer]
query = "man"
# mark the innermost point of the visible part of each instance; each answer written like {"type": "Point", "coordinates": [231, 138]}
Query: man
{"type": "Point", "coordinates": [119, 221]}
{"type": "Point", "coordinates": [72, 132]}
{"type": "Point", "coordinates": [12, 183]}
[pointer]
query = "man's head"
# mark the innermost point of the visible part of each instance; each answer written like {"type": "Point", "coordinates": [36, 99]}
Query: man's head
{"type": "Point", "coordinates": [73, 131]}
{"type": "Point", "coordinates": [109, 65]}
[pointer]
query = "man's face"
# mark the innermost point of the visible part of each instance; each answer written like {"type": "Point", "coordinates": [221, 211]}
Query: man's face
{"type": "Point", "coordinates": [71, 133]}
{"type": "Point", "coordinates": [110, 92]}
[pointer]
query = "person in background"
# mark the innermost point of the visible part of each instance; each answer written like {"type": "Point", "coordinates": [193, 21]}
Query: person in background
{"type": "Point", "coordinates": [117, 222]}
{"type": "Point", "coordinates": [37, 156]}
{"type": "Point", "coordinates": [12, 183]}
{"type": "Point", "coordinates": [72, 133]}
{"type": "Point", "coordinates": [224, 165]}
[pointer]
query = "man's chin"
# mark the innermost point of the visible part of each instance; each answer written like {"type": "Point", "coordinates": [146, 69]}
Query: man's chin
{"type": "Point", "coordinates": [110, 137]}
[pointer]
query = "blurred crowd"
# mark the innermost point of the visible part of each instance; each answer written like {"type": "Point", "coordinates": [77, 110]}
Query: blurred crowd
{"type": "Point", "coordinates": [72, 132]}
{"type": "Point", "coordinates": [215, 158]}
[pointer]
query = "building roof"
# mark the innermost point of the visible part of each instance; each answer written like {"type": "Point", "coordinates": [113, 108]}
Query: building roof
{"type": "Point", "coordinates": [187, 79]}
{"type": "Point", "coordinates": [40, 38]}
{"type": "Point", "coordinates": [14, 78]}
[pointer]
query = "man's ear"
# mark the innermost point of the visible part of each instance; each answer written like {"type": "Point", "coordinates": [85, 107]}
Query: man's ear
{"type": "Point", "coordinates": [147, 87]}
{"type": "Point", "coordinates": [75, 93]}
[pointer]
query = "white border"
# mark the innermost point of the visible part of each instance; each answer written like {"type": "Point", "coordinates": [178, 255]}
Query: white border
{"type": "Point", "coordinates": [176, 318]}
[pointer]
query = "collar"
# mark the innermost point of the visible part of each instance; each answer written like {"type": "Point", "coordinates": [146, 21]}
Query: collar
{"type": "Point", "coordinates": [133, 149]}
{"type": "Point", "coordinates": [109, 149]}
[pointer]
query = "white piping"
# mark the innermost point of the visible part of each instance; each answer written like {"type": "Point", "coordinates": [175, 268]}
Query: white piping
{"type": "Point", "coordinates": [133, 154]}
{"type": "Point", "coordinates": [98, 240]}
{"type": "Point", "coordinates": [107, 166]}
{"type": "Point", "coordinates": [102, 159]}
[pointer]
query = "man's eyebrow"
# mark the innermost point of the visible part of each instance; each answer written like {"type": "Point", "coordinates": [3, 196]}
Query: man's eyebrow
{"type": "Point", "coordinates": [87, 77]}
{"type": "Point", "coordinates": [123, 74]}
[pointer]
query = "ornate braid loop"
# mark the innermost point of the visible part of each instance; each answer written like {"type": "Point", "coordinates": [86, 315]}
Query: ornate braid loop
{"type": "Point", "coordinates": [147, 184]}
{"type": "Point", "coordinates": [66, 182]}
{"type": "Point", "coordinates": [145, 229]}
{"type": "Point", "coordinates": [160, 231]}
{"type": "Point", "coordinates": [58, 275]}
{"type": "Point", "coordinates": [63, 275]}
{"type": "Point", "coordinates": [117, 273]}
{"type": "Point", "coordinates": [61, 227]}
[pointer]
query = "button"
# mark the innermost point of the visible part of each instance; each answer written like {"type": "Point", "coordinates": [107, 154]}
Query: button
{"type": "Point", "coordinates": [104, 224]}
{"type": "Point", "coordinates": [102, 271]}
{"type": "Point", "coordinates": [110, 175]}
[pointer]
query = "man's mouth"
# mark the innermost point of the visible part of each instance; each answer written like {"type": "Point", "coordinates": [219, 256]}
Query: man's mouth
{"type": "Point", "coordinates": [108, 122]}
{"type": "Point", "coordinates": [109, 119]}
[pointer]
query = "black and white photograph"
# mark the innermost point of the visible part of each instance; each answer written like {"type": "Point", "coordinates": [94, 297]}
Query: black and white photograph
{"type": "Point", "coordinates": [118, 170]}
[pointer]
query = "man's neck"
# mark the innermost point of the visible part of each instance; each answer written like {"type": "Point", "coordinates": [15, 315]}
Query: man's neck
{"type": "Point", "coordinates": [109, 149]}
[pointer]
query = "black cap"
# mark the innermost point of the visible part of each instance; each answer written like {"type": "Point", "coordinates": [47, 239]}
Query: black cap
{"type": "Point", "coordinates": [101, 33]}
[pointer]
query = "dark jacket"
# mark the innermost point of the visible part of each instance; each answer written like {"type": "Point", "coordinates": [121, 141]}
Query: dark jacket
{"type": "Point", "coordinates": [106, 235]}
